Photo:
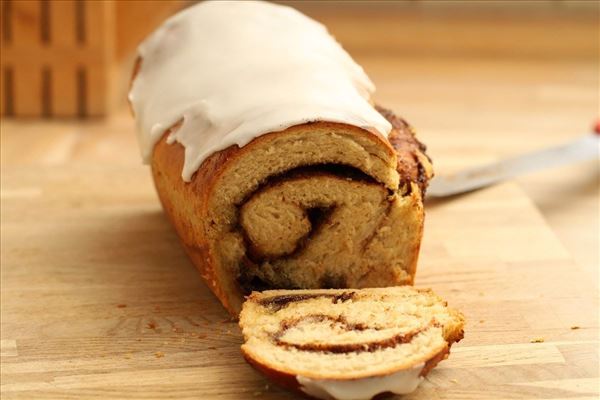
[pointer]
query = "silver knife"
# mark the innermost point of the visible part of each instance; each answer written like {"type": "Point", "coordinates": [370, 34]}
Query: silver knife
{"type": "Point", "coordinates": [581, 149]}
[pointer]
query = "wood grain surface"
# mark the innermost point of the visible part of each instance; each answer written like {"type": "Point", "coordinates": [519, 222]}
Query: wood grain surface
{"type": "Point", "coordinates": [99, 301]}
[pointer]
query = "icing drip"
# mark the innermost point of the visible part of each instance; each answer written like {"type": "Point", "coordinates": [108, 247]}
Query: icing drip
{"type": "Point", "coordinates": [401, 382]}
{"type": "Point", "coordinates": [232, 71]}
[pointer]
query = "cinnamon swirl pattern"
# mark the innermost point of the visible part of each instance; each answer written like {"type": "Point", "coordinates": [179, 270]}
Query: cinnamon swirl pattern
{"type": "Point", "coordinates": [339, 324]}
{"type": "Point", "coordinates": [318, 205]}
{"type": "Point", "coordinates": [347, 334]}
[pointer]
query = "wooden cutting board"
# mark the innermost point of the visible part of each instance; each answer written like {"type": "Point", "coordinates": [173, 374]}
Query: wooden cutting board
{"type": "Point", "coordinates": [99, 300]}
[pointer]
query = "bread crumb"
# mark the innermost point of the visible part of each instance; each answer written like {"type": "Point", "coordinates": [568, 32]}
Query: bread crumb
{"type": "Point", "coordinates": [159, 354]}
{"type": "Point", "coordinates": [121, 305]}
{"type": "Point", "coordinates": [481, 321]}
{"type": "Point", "coordinates": [537, 340]}
{"type": "Point", "coordinates": [574, 327]}
{"type": "Point", "coordinates": [453, 381]}
{"type": "Point", "coordinates": [151, 325]}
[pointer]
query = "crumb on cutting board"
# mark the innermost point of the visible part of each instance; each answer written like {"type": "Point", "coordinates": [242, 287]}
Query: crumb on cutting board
{"type": "Point", "coordinates": [575, 327]}
{"type": "Point", "coordinates": [121, 305]}
{"type": "Point", "coordinates": [159, 354]}
{"type": "Point", "coordinates": [537, 340]}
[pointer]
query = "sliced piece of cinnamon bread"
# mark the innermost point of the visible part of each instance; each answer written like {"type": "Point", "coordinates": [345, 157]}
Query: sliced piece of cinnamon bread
{"type": "Point", "coordinates": [348, 343]}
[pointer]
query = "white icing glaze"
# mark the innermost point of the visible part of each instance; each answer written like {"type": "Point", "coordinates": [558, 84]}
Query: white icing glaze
{"type": "Point", "coordinates": [401, 382]}
{"type": "Point", "coordinates": [232, 71]}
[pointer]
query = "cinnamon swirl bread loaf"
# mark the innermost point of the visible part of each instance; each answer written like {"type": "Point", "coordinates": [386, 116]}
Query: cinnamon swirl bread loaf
{"type": "Point", "coordinates": [348, 344]}
{"type": "Point", "coordinates": [269, 158]}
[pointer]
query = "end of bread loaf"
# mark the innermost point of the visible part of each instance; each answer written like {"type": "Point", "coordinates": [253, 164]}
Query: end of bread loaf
{"type": "Point", "coordinates": [348, 344]}
{"type": "Point", "coordinates": [318, 205]}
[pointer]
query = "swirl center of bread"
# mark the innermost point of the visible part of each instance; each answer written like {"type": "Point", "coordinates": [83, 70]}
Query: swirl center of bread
{"type": "Point", "coordinates": [315, 218]}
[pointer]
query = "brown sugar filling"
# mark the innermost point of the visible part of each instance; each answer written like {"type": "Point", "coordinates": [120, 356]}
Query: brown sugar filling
{"type": "Point", "coordinates": [276, 303]}
{"type": "Point", "coordinates": [335, 348]}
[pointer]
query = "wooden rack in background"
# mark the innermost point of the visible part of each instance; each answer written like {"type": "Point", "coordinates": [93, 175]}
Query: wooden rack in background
{"type": "Point", "coordinates": [58, 58]}
{"type": "Point", "coordinates": [72, 58]}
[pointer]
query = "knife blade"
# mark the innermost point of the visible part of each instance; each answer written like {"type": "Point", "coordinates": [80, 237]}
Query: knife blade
{"type": "Point", "coordinates": [581, 149]}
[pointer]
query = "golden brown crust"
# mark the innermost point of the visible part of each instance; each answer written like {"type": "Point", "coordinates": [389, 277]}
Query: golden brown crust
{"type": "Point", "coordinates": [167, 163]}
{"type": "Point", "coordinates": [435, 360]}
{"type": "Point", "coordinates": [284, 379]}
{"type": "Point", "coordinates": [411, 153]}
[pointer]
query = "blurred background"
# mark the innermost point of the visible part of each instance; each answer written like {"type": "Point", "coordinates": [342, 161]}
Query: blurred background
{"type": "Point", "coordinates": [73, 58]}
